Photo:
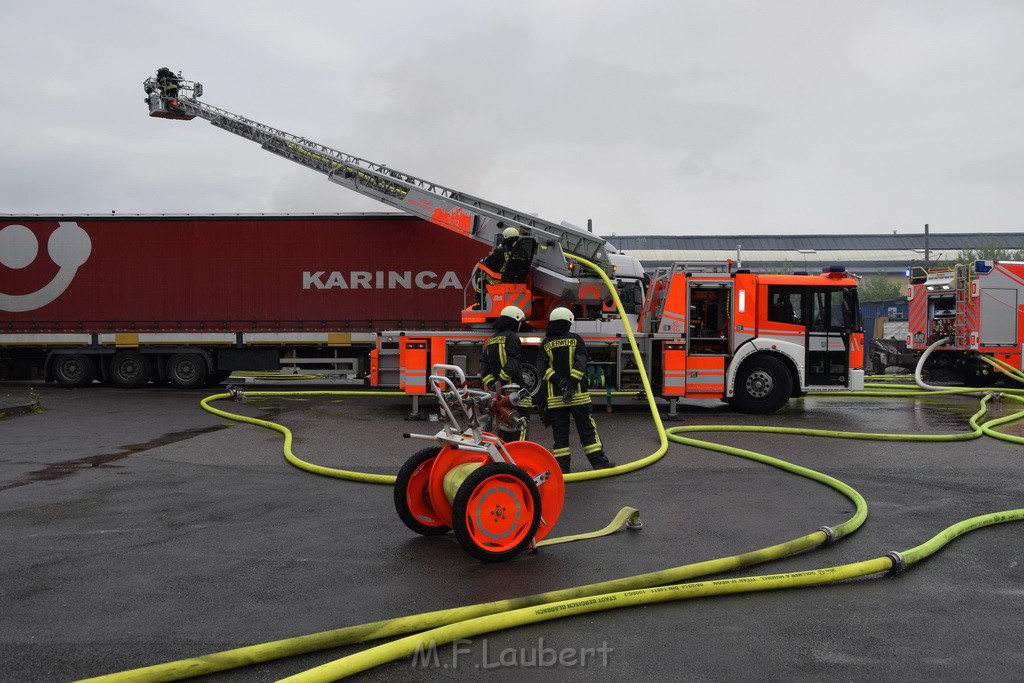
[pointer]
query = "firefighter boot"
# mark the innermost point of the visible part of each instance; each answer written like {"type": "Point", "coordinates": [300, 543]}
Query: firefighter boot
{"type": "Point", "coordinates": [599, 461]}
{"type": "Point", "coordinates": [563, 462]}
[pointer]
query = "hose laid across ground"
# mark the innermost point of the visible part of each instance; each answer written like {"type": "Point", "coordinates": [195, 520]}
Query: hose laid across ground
{"type": "Point", "coordinates": [405, 647]}
{"type": "Point", "coordinates": [439, 626]}
{"type": "Point", "coordinates": [593, 602]}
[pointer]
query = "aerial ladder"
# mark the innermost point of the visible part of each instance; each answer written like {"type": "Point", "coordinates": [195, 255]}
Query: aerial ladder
{"type": "Point", "coordinates": [703, 330]}
{"type": "Point", "coordinates": [551, 275]}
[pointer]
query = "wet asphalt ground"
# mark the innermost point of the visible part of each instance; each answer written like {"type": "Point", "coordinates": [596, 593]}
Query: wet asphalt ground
{"type": "Point", "coordinates": [137, 529]}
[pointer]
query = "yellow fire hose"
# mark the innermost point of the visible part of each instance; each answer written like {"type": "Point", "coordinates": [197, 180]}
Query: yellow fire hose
{"type": "Point", "coordinates": [443, 626]}
{"type": "Point", "coordinates": [405, 647]}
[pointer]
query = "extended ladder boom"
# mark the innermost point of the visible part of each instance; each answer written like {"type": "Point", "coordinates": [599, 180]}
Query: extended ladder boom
{"type": "Point", "coordinates": [462, 213]}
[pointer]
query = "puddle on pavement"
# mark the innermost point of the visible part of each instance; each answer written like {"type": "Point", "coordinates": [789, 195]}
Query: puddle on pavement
{"type": "Point", "coordinates": [60, 470]}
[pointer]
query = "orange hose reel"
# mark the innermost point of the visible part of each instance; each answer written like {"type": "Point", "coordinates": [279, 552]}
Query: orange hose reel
{"type": "Point", "coordinates": [498, 502]}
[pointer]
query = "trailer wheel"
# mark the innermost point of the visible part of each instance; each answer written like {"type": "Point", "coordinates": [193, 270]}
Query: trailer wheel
{"type": "Point", "coordinates": [412, 494]}
{"type": "Point", "coordinates": [496, 512]}
{"type": "Point", "coordinates": [186, 370]}
{"type": "Point", "coordinates": [763, 385]}
{"type": "Point", "coordinates": [74, 370]}
{"type": "Point", "coordinates": [130, 369]}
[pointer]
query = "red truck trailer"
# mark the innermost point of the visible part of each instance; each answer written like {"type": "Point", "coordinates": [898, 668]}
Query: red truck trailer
{"type": "Point", "coordinates": [187, 299]}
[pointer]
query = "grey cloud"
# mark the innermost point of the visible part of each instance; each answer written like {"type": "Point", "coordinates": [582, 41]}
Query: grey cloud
{"type": "Point", "coordinates": [656, 116]}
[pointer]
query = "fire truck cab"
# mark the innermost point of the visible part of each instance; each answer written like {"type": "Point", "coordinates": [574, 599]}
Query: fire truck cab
{"type": "Point", "coordinates": [753, 340]}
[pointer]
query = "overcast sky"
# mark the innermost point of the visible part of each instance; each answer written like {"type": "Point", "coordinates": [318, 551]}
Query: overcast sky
{"type": "Point", "coordinates": [649, 117]}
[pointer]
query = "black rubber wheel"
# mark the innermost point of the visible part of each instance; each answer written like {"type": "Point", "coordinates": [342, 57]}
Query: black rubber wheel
{"type": "Point", "coordinates": [763, 385]}
{"type": "Point", "coordinates": [74, 370]}
{"type": "Point", "coordinates": [411, 502]}
{"type": "Point", "coordinates": [186, 370]}
{"type": "Point", "coordinates": [496, 512]}
{"type": "Point", "coordinates": [130, 370]}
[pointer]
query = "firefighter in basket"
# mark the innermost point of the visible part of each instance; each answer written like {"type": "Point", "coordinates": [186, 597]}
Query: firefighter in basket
{"type": "Point", "coordinates": [501, 365]}
{"type": "Point", "coordinates": [562, 368]}
{"type": "Point", "coordinates": [495, 262]}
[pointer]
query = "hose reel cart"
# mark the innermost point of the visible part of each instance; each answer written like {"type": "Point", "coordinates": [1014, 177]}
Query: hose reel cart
{"type": "Point", "coordinates": [499, 497]}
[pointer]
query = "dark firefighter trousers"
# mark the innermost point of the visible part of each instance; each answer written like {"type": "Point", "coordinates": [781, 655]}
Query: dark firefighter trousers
{"type": "Point", "coordinates": [585, 426]}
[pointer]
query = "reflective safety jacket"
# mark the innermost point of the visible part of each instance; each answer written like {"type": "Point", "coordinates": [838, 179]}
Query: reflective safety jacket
{"type": "Point", "coordinates": [495, 262]}
{"type": "Point", "coordinates": [561, 363]}
{"type": "Point", "coordinates": [502, 359]}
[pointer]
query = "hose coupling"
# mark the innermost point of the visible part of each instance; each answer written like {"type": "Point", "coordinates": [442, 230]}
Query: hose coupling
{"type": "Point", "coordinates": [899, 564]}
{"type": "Point", "coordinates": [236, 392]}
{"type": "Point", "coordinates": [830, 535]}
{"type": "Point", "coordinates": [634, 522]}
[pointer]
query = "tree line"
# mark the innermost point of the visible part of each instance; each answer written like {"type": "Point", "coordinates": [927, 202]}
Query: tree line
{"type": "Point", "coordinates": [880, 287]}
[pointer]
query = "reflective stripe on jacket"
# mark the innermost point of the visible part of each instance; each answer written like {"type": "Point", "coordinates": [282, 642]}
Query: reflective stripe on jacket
{"type": "Point", "coordinates": [501, 359]}
{"type": "Point", "coordinates": [563, 357]}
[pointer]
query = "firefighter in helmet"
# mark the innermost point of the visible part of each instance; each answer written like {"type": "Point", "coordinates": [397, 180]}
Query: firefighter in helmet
{"type": "Point", "coordinates": [562, 368]}
{"type": "Point", "coordinates": [501, 362]}
{"type": "Point", "coordinates": [168, 81]}
{"type": "Point", "coordinates": [493, 265]}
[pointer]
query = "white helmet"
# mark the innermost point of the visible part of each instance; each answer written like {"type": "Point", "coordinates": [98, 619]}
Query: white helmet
{"type": "Point", "coordinates": [561, 313]}
{"type": "Point", "coordinates": [509, 232]}
{"type": "Point", "coordinates": [514, 312]}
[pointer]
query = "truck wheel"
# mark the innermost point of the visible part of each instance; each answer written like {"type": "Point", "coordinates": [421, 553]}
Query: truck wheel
{"type": "Point", "coordinates": [74, 370]}
{"type": "Point", "coordinates": [763, 385]}
{"type": "Point", "coordinates": [130, 370]}
{"type": "Point", "coordinates": [186, 370]}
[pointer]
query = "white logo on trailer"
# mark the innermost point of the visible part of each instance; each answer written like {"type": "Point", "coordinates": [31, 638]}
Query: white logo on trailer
{"type": "Point", "coordinates": [69, 247]}
{"type": "Point", "coordinates": [380, 279]}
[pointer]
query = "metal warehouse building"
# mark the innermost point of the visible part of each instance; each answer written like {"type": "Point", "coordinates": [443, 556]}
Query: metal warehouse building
{"type": "Point", "coordinates": [877, 254]}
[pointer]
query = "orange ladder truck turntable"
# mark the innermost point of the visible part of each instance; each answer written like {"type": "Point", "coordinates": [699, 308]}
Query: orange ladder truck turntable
{"type": "Point", "coordinates": [977, 308]}
{"type": "Point", "coordinates": [704, 330]}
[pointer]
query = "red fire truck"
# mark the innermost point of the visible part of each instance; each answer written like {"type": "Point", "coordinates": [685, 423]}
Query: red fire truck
{"type": "Point", "coordinates": [977, 308]}
{"type": "Point", "coordinates": [703, 330]}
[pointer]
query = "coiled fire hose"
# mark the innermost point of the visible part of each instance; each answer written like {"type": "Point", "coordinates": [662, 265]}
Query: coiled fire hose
{"type": "Point", "coordinates": [443, 626]}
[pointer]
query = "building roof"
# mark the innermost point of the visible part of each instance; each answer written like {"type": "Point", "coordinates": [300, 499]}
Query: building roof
{"type": "Point", "coordinates": [863, 254]}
